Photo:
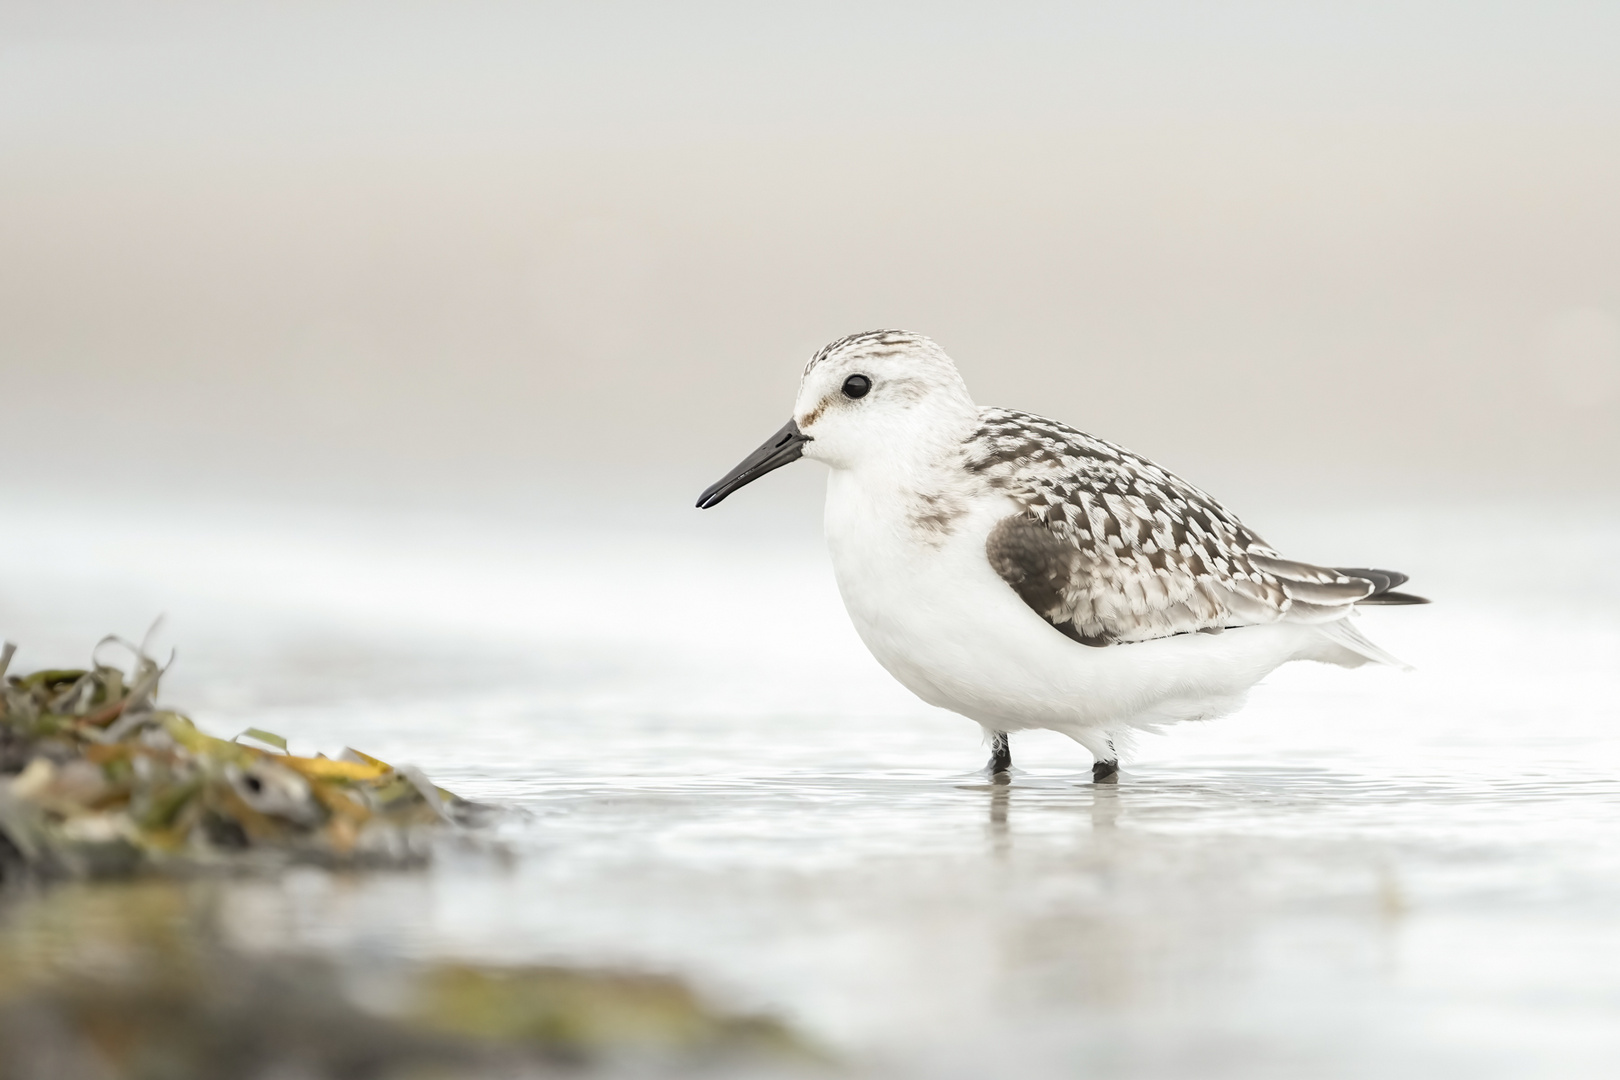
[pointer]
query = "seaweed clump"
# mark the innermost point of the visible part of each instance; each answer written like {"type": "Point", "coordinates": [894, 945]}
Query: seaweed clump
{"type": "Point", "coordinates": [96, 779]}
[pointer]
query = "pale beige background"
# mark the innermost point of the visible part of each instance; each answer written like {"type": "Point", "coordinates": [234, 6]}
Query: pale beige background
{"type": "Point", "coordinates": [280, 284]}
{"type": "Point", "coordinates": [432, 244]}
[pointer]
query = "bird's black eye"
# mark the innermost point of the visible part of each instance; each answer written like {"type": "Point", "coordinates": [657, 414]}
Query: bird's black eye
{"type": "Point", "coordinates": [856, 386]}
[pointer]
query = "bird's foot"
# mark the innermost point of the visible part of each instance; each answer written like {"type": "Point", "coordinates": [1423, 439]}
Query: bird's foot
{"type": "Point", "coordinates": [1000, 763]}
{"type": "Point", "coordinates": [1105, 772]}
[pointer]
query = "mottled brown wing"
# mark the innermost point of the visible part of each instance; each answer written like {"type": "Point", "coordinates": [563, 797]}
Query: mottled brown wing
{"type": "Point", "coordinates": [1110, 547]}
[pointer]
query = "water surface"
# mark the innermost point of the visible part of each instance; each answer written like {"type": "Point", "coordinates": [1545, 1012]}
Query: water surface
{"type": "Point", "coordinates": [1367, 873]}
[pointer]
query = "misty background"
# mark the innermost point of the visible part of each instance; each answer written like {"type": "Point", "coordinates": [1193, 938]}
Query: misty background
{"type": "Point", "coordinates": [342, 251]}
{"type": "Point", "coordinates": [385, 348]}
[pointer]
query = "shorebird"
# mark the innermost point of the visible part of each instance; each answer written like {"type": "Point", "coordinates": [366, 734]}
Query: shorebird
{"type": "Point", "coordinates": [1027, 575]}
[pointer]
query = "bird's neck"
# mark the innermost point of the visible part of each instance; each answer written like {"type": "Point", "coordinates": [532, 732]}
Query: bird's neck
{"type": "Point", "coordinates": [918, 463]}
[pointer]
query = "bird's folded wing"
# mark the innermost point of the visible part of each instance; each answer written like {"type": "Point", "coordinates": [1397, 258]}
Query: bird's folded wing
{"type": "Point", "coordinates": [1109, 547]}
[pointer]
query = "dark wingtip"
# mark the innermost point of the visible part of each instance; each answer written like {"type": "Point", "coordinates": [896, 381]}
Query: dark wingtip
{"type": "Point", "coordinates": [1393, 598]}
{"type": "Point", "coordinates": [1384, 582]}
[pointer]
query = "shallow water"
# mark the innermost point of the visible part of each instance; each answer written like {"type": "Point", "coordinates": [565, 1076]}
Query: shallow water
{"type": "Point", "coordinates": [1366, 873]}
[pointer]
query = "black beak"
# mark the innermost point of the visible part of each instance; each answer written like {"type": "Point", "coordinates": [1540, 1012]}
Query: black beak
{"type": "Point", "coordinates": [778, 450]}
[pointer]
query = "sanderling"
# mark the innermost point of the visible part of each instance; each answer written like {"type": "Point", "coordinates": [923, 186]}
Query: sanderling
{"type": "Point", "coordinates": [1028, 575]}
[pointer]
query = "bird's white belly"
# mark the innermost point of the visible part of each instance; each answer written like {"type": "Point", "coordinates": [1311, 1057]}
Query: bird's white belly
{"type": "Point", "coordinates": [934, 613]}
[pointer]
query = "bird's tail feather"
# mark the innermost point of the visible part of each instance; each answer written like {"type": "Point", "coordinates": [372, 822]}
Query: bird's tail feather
{"type": "Point", "coordinates": [1346, 636]}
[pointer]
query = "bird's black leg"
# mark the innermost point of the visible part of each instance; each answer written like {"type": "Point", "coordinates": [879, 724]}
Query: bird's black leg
{"type": "Point", "coordinates": [1000, 753]}
{"type": "Point", "coordinates": [1106, 770]}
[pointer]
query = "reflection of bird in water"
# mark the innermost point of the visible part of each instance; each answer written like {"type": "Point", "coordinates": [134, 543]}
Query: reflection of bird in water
{"type": "Point", "coordinates": [1104, 808]}
{"type": "Point", "coordinates": [1028, 575]}
{"type": "Point", "coordinates": [1000, 798]}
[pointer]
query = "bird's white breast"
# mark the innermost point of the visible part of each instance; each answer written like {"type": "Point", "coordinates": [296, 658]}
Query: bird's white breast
{"type": "Point", "coordinates": [927, 604]}
{"type": "Point", "coordinates": [925, 600]}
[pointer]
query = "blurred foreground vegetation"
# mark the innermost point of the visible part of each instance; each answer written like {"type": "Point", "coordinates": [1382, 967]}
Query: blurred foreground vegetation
{"type": "Point", "coordinates": [121, 825]}
{"type": "Point", "coordinates": [142, 980]}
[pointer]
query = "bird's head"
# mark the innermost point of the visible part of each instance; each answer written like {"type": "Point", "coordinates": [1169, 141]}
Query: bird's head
{"type": "Point", "coordinates": [871, 399]}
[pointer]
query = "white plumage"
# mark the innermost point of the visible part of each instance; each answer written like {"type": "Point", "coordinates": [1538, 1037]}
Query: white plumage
{"type": "Point", "coordinates": [1027, 575]}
